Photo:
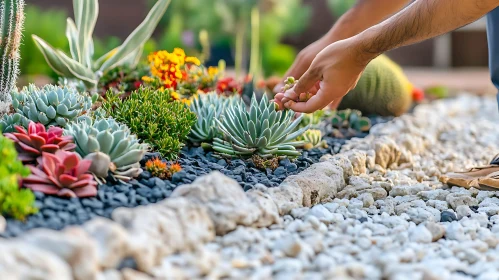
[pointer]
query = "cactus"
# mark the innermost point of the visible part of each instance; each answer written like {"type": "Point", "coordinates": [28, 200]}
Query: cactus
{"type": "Point", "coordinates": [383, 89]}
{"type": "Point", "coordinates": [11, 25]}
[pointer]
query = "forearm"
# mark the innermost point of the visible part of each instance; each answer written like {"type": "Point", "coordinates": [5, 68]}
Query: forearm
{"type": "Point", "coordinates": [363, 15]}
{"type": "Point", "coordinates": [422, 20]}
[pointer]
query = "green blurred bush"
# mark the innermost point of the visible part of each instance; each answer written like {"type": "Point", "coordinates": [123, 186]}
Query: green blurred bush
{"type": "Point", "coordinates": [278, 18]}
{"type": "Point", "coordinates": [51, 26]}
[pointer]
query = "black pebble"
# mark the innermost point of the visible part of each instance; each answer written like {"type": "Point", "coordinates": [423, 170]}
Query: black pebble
{"type": "Point", "coordinates": [280, 171]}
{"type": "Point", "coordinates": [363, 219]}
{"type": "Point", "coordinates": [447, 216]}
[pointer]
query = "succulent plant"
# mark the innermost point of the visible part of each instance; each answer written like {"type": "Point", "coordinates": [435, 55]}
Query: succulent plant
{"type": "Point", "coordinates": [351, 119]}
{"type": "Point", "coordinates": [110, 145]}
{"type": "Point", "coordinates": [31, 143]}
{"type": "Point", "coordinates": [313, 139]}
{"type": "Point", "coordinates": [62, 174]}
{"type": "Point", "coordinates": [262, 131]}
{"type": "Point", "coordinates": [11, 21]}
{"type": "Point", "coordinates": [209, 107]}
{"type": "Point", "coordinates": [81, 65]}
{"type": "Point", "coordinates": [50, 105]}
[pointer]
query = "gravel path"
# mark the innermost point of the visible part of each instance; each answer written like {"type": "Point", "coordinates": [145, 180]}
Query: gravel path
{"type": "Point", "coordinates": [387, 223]}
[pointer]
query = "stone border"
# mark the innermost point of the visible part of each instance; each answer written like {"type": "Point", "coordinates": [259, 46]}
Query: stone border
{"type": "Point", "coordinates": [194, 214]}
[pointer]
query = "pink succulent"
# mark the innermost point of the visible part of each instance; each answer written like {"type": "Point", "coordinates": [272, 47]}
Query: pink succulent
{"type": "Point", "coordinates": [63, 174]}
{"type": "Point", "coordinates": [32, 143]}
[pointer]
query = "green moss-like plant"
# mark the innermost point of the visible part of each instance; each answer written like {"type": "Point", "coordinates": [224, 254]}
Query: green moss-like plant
{"type": "Point", "coordinates": [154, 117]}
{"type": "Point", "coordinates": [14, 202]}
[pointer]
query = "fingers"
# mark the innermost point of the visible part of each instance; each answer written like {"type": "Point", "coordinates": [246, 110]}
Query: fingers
{"type": "Point", "coordinates": [306, 82]}
{"type": "Point", "coordinates": [278, 100]}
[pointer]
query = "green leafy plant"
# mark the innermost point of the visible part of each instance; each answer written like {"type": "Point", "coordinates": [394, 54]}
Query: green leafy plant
{"type": "Point", "coordinates": [14, 202]}
{"type": "Point", "coordinates": [351, 119]}
{"type": "Point", "coordinates": [154, 117]}
{"type": "Point", "coordinates": [109, 145]}
{"type": "Point", "coordinates": [207, 108]}
{"type": "Point", "coordinates": [262, 131]}
{"type": "Point", "coordinates": [50, 105]}
{"type": "Point", "coordinates": [81, 65]}
{"type": "Point", "coordinates": [11, 22]}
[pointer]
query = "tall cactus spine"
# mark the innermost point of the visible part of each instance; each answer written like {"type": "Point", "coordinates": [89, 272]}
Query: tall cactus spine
{"type": "Point", "coordinates": [11, 26]}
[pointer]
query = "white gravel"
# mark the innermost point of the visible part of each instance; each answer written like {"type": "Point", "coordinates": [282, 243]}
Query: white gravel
{"type": "Point", "coordinates": [386, 224]}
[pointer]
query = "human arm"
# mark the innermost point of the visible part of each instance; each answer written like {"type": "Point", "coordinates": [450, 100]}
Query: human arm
{"type": "Point", "coordinates": [339, 66]}
{"type": "Point", "coordinates": [364, 14]}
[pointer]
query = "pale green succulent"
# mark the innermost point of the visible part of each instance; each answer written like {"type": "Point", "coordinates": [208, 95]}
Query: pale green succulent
{"type": "Point", "coordinates": [262, 131]}
{"type": "Point", "coordinates": [209, 107]}
{"type": "Point", "coordinates": [81, 64]}
{"type": "Point", "coordinates": [110, 145]}
{"type": "Point", "coordinates": [312, 139]}
{"type": "Point", "coordinates": [50, 105]}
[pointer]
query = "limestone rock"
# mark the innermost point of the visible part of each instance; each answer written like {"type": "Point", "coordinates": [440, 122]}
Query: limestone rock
{"type": "Point", "coordinates": [112, 240]}
{"type": "Point", "coordinates": [19, 261]}
{"type": "Point", "coordinates": [227, 203]}
{"type": "Point", "coordinates": [458, 199]}
{"type": "Point", "coordinates": [358, 160]}
{"type": "Point", "coordinates": [269, 213]}
{"type": "Point", "coordinates": [387, 151]}
{"type": "Point", "coordinates": [342, 161]}
{"type": "Point", "coordinates": [3, 223]}
{"type": "Point", "coordinates": [319, 182]}
{"type": "Point", "coordinates": [287, 197]}
{"type": "Point", "coordinates": [163, 228]}
{"type": "Point", "coordinates": [73, 245]}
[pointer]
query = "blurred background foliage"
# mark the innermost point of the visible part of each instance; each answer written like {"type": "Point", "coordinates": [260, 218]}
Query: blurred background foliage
{"type": "Point", "coordinates": [223, 21]}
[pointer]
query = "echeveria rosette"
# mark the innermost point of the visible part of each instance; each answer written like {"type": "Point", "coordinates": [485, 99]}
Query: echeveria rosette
{"type": "Point", "coordinates": [50, 106]}
{"type": "Point", "coordinates": [31, 143]}
{"type": "Point", "coordinates": [109, 145]}
{"type": "Point", "coordinates": [262, 131]}
{"type": "Point", "coordinates": [63, 174]}
{"type": "Point", "coordinates": [209, 107]}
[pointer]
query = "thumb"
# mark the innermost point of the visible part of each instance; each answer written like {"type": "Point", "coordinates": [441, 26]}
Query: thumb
{"type": "Point", "coordinates": [307, 81]}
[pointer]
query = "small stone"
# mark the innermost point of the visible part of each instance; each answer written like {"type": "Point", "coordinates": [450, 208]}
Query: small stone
{"type": "Point", "coordinates": [291, 167]}
{"type": "Point", "coordinates": [447, 216]}
{"type": "Point", "coordinates": [458, 199]}
{"type": "Point", "coordinates": [279, 171]}
{"type": "Point", "coordinates": [455, 231]}
{"type": "Point", "coordinates": [437, 231]}
{"type": "Point", "coordinates": [420, 234]}
{"type": "Point", "coordinates": [290, 246]}
{"type": "Point", "coordinates": [463, 211]}
{"type": "Point", "coordinates": [367, 199]}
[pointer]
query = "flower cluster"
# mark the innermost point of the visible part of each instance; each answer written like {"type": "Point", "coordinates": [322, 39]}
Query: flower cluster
{"type": "Point", "coordinates": [161, 169]}
{"type": "Point", "coordinates": [184, 74]}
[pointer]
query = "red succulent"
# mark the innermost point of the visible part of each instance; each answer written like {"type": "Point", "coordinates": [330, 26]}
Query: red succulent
{"type": "Point", "coordinates": [63, 174]}
{"type": "Point", "coordinates": [32, 143]}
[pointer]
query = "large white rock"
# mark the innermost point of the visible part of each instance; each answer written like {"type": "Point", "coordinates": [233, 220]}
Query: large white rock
{"type": "Point", "coordinates": [227, 203]}
{"type": "Point", "coordinates": [73, 245]}
{"type": "Point", "coordinates": [112, 240]}
{"type": "Point", "coordinates": [21, 261]}
{"type": "Point", "coordinates": [319, 183]}
{"type": "Point", "coordinates": [161, 229]}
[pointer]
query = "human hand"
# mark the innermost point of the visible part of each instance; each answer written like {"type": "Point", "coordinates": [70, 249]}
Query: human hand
{"type": "Point", "coordinates": [303, 60]}
{"type": "Point", "coordinates": [332, 74]}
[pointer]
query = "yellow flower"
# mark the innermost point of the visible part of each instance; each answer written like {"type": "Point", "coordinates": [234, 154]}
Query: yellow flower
{"type": "Point", "coordinates": [193, 60]}
{"type": "Point", "coordinates": [175, 95]}
{"type": "Point", "coordinates": [147, 79]}
{"type": "Point", "coordinates": [212, 71]}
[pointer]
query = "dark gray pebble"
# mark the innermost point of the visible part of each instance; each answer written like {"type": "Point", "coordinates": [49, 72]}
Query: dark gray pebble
{"type": "Point", "coordinates": [447, 216]}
